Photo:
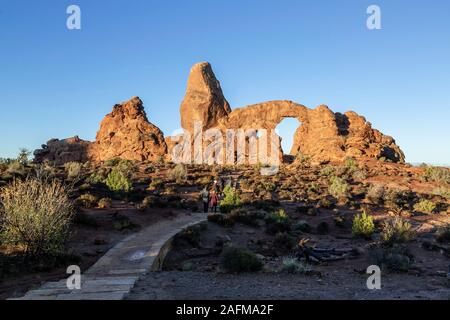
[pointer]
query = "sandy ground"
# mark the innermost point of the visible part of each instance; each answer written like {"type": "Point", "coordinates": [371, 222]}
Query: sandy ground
{"type": "Point", "coordinates": [210, 285]}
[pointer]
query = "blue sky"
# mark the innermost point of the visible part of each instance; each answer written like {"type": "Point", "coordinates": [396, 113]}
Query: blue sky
{"type": "Point", "coordinates": [58, 83]}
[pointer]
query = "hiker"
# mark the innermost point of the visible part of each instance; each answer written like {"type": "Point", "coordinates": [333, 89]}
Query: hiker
{"type": "Point", "coordinates": [205, 199]}
{"type": "Point", "coordinates": [214, 199]}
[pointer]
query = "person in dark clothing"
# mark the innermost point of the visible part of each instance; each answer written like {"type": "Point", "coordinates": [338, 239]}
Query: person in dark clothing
{"type": "Point", "coordinates": [205, 199]}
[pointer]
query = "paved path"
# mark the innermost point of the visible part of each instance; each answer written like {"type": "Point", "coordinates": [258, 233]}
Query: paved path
{"type": "Point", "coordinates": [114, 275]}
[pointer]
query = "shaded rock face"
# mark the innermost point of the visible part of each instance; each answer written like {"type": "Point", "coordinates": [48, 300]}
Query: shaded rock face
{"type": "Point", "coordinates": [62, 151]}
{"type": "Point", "coordinates": [126, 133]}
{"type": "Point", "coordinates": [204, 100]}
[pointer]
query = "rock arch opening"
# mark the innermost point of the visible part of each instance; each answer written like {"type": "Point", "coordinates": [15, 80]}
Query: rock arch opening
{"type": "Point", "coordinates": [286, 130]}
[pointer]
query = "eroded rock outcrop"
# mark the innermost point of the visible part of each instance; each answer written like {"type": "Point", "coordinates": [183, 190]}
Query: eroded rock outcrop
{"type": "Point", "coordinates": [62, 151]}
{"type": "Point", "coordinates": [323, 135]}
{"type": "Point", "coordinates": [126, 133]}
{"type": "Point", "coordinates": [204, 100]}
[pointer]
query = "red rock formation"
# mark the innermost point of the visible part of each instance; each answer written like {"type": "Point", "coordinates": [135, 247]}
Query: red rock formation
{"type": "Point", "coordinates": [204, 100]}
{"type": "Point", "coordinates": [126, 133]}
{"type": "Point", "coordinates": [323, 135]}
{"type": "Point", "coordinates": [62, 151]}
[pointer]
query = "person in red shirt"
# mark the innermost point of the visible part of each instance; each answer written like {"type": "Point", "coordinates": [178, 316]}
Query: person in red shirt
{"type": "Point", "coordinates": [213, 201]}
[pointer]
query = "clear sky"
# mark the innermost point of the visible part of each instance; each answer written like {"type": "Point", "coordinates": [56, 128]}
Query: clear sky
{"type": "Point", "coordinates": [57, 83]}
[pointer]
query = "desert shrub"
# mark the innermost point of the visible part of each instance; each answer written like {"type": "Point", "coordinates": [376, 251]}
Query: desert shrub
{"type": "Point", "coordinates": [122, 223]}
{"type": "Point", "coordinates": [278, 221]}
{"type": "Point", "coordinates": [190, 235]}
{"type": "Point", "coordinates": [156, 184]}
{"type": "Point", "coordinates": [230, 201]}
{"type": "Point", "coordinates": [178, 173]}
{"type": "Point", "coordinates": [396, 230]}
{"type": "Point", "coordinates": [221, 219]}
{"type": "Point", "coordinates": [396, 258]}
{"type": "Point", "coordinates": [292, 265]}
{"type": "Point", "coordinates": [443, 234]}
{"type": "Point", "coordinates": [23, 156]}
{"type": "Point", "coordinates": [397, 200]}
{"type": "Point", "coordinates": [104, 203]}
{"type": "Point", "coordinates": [442, 192]}
{"type": "Point", "coordinates": [284, 241]}
{"type": "Point", "coordinates": [338, 188]}
{"type": "Point", "coordinates": [73, 169]}
{"type": "Point", "coordinates": [425, 206]}
{"type": "Point", "coordinates": [117, 181]}
{"type": "Point", "coordinates": [243, 216]}
{"type": "Point", "coordinates": [86, 200]}
{"type": "Point", "coordinates": [327, 171]}
{"type": "Point", "coordinates": [153, 201]}
{"type": "Point", "coordinates": [375, 194]}
{"type": "Point", "coordinates": [363, 225]}
{"type": "Point", "coordinates": [98, 176]}
{"type": "Point", "coordinates": [37, 215]}
{"type": "Point", "coordinates": [16, 168]}
{"type": "Point", "coordinates": [437, 174]}
{"type": "Point", "coordinates": [237, 260]}
{"type": "Point", "coordinates": [327, 202]}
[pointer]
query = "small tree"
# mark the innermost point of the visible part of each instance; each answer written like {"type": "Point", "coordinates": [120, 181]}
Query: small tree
{"type": "Point", "coordinates": [22, 158]}
{"type": "Point", "coordinates": [230, 201]}
{"type": "Point", "coordinates": [363, 225]}
{"type": "Point", "coordinates": [117, 181]}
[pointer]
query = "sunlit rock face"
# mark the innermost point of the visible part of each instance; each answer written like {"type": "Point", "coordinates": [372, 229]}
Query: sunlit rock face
{"type": "Point", "coordinates": [323, 135]}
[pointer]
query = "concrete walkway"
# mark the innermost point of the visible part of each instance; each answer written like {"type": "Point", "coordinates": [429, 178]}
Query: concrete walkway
{"type": "Point", "coordinates": [114, 275]}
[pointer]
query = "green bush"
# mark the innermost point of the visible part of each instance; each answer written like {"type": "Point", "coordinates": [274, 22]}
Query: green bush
{"type": "Point", "coordinates": [425, 206]}
{"type": "Point", "coordinates": [37, 215]}
{"type": "Point", "coordinates": [117, 181]}
{"type": "Point", "coordinates": [363, 225]}
{"type": "Point", "coordinates": [396, 230]}
{"type": "Point", "coordinates": [235, 260]}
{"type": "Point", "coordinates": [230, 201]}
{"type": "Point", "coordinates": [338, 188]}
